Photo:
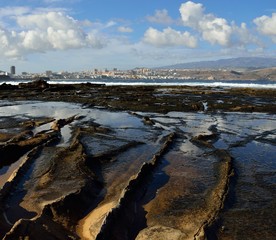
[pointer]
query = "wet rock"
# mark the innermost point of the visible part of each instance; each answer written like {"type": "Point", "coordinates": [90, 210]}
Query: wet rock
{"type": "Point", "coordinates": [6, 86]}
{"type": "Point", "coordinates": [31, 124]}
{"type": "Point", "coordinates": [148, 121]}
{"type": "Point", "coordinates": [37, 84]}
{"type": "Point", "coordinates": [181, 98]}
{"type": "Point", "coordinates": [246, 108]}
{"type": "Point", "coordinates": [161, 232]}
{"type": "Point", "coordinates": [10, 152]}
{"type": "Point", "coordinates": [60, 190]}
{"type": "Point", "coordinates": [93, 85]}
{"type": "Point", "coordinates": [5, 137]}
{"type": "Point", "coordinates": [59, 88]}
{"type": "Point", "coordinates": [197, 107]}
{"type": "Point", "coordinates": [43, 228]}
{"type": "Point", "coordinates": [204, 140]}
{"type": "Point", "coordinates": [60, 123]}
{"type": "Point", "coordinates": [22, 136]}
{"type": "Point", "coordinates": [122, 222]}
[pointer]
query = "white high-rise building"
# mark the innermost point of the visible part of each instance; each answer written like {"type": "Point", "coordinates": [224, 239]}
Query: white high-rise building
{"type": "Point", "coordinates": [12, 70]}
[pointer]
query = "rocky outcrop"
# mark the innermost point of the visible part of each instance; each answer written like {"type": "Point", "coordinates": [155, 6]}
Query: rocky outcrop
{"type": "Point", "coordinates": [39, 83]}
{"type": "Point", "coordinates": [161, 99]}
{"type": "Point", "coordinates": [216, 200]}
{"type": "Point", "coordinates": [204, 140]}
{"type": "Point", "coordinates": [6, 86]}
{"type": "Point", "coordinates": [11, 151]}
{"type": "Point", "coordinates": [58, 190]}
{"type": "Point", "coordinates": [123, 219]}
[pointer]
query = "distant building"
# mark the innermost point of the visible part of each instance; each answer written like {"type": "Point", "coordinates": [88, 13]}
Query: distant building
{"type": "Point", "coordinates": [12, 70]}
{"type": "Point", "coordinates": [4, 75]}
{"type": "Point", "coordinates": [48, 73]}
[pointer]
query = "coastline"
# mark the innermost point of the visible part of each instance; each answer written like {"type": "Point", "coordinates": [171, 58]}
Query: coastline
{"type": "Point", "coordinates": [161, 98]}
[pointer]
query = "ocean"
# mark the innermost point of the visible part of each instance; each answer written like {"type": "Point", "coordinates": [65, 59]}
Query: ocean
{"type": "Point", "coordinates": [161, 82]}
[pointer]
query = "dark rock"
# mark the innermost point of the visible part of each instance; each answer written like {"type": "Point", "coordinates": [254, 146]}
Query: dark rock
{"type": "Point", "coordinates": [6, 86]}
{"type": "Point", "coordinates": [36, 84]}
{"type": "Point", "coordinates": [148, 121]}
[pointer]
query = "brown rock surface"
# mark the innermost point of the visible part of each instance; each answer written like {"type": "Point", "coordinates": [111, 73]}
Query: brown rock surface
{"type": "Point", "coordinates": [164, 166]}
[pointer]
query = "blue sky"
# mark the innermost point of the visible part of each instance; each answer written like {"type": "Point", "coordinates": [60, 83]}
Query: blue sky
{"type": "Point", "coordinates": [76, 35]}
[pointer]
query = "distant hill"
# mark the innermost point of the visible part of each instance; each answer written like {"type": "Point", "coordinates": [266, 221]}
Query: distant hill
{"type": "Point", "coordinates": [242, 62]}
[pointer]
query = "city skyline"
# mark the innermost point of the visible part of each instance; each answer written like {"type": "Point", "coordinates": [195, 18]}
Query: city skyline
{"type": "Point", "coordinates": [77, 35]}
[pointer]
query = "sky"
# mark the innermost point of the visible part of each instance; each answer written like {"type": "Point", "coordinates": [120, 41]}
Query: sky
{"type": "Point", "coordinates": [77, 35]}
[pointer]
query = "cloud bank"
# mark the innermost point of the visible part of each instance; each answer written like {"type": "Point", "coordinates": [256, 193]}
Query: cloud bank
{"type": "Point", "coordinates": [205, 27]}
{"type": "Point", "coordinates": [213, 29]}
{"type": "Point", "coordinates": [44, 32]}
{"type": "Point", "coordinates": [267, 26]}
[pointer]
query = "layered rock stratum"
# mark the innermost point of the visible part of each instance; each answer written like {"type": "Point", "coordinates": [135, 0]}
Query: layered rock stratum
{"type": "Point", "coordinates": [136, 162]}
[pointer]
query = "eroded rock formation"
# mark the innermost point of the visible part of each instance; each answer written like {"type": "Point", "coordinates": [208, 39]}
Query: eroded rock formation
{"type": "Point", "coordinates": [166, 168]}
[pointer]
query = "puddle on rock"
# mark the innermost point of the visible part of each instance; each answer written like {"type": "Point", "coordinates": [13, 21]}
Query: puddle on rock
{"type": "Point", "coordinates": [252, 212]}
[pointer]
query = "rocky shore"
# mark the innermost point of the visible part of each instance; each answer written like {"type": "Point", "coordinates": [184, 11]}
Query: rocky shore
{"type": "Point", "coordinates": [90, 161]}
{"type": "Point", "coordinates": [146, 98]}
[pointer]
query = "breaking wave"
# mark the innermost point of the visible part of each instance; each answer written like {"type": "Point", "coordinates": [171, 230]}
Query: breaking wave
{"type": "Point", "coordinates": [161, 82]}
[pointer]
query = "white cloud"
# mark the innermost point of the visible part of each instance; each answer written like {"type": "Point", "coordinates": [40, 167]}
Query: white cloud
{"type": "Point", "coordinates": [95, 40]}
{"type": "Point", "coordinates": [110, 24]}
{"type": "Point", "coordinates": [46, 31]}
{"type": "Point", "coordinates": [242, 36]}
{"type": "Point", "coordinates": [161, 17]}
{"type": "Point", "coordinates": [267, 25]}
{"type": "Point", "coordinates": [42, 21]}
{"type": "Point", "coordinates": [169, 37]}
{"type": "Point", "coordinates": [13, 11]}
{"type": "Point", "coordinates": [214, 29]}
{"type": "Point", "coordinates": [191, 14]}
{"type": "Point", "coordinates": [33, 40]}
{"type": "Point", "coordinates": [124, 29]}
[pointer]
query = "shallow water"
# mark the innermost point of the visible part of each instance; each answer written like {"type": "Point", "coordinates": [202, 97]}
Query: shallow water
{"type": "Point", "coordinates": [250, 138]}
{"type": "Point", "coordinates": [253, 208]}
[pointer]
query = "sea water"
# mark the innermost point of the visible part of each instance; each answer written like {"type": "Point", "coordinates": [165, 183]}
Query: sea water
{"type": "Point", "coordinates": [160, 82]}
